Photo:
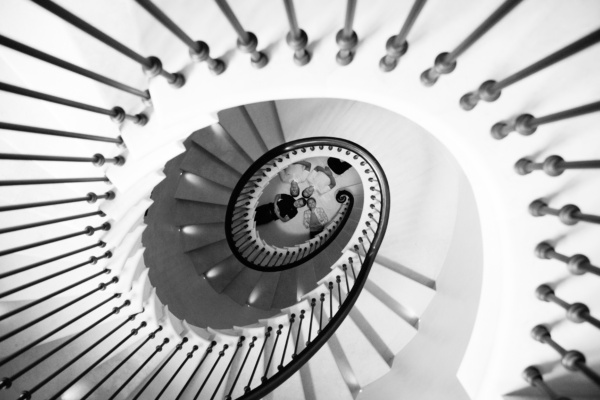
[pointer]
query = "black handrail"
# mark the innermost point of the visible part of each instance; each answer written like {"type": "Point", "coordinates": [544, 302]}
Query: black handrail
{"type": "Point", "coordinates": [341, 196]}
{"type": "Point", "coordinates": [323, 336]}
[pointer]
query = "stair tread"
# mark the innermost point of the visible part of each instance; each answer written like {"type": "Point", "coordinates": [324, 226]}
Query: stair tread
{"type": "Point", "coordinates": [240, 288]}
{"type": "Point", "coordinates": [202, 163]}
{"type": "Point", "coordinates": [222, 273]}
{"type": "Point", "coordinates": [287, 288]}
{"type": "Point", "coordinates": [196, 188]}
{"type": "Point", "coordinates": [264, 291]}
{"type": "Point", "coordinates": [306, 278]}
{"type": "Point", "coordinates": [366, 362]}
{"type": "Point", "coordinates": [404, 290]}
{"type": "Point", "coordinates": [197, 236]}
{"type": "Point", "coordinates": [219, 144]}
{"type": "Point", "coordinates": [208, 256]}
{"type": "Point", "coordinates": [240, 127]}
{"type": "Point", "coordinates": [185, 212]}
{"type": "Point", "coordinates": [266, 119]}
{"type": "Point", "coordinates": [375, 316]}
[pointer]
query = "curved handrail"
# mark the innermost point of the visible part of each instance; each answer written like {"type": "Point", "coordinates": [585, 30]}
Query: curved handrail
{"type": "Point", "coordinates": [233, 233]}
{"type": "Point", "coordinates": [323, 336]}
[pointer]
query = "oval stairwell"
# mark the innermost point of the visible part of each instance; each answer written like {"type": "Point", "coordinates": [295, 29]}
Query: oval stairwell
{"type": "Point", "coordinates": [123, 136]}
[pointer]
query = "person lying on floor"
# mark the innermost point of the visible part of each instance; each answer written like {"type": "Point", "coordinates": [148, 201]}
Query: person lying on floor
{"type": "Point", "coordinates": [297, 172]}
{"type": "Point", "coordinates": [283, 208]}
{"type": "Point", "coordinates": [321, 178]}
{"type": "Point", "coordinates": [314, 218]}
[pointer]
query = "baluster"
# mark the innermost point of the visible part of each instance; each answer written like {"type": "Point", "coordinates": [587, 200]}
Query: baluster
{"type": "Point", "coordinates": [49, 296]}
{"type": "Point", "coordinates": [321, 314]}
{"type": "Point", "coordinates": [97, 160]}
{"type": "Point", "coordinates": [533, 376]}
{"type": "Point", "coordinates": [89, 231]}
{"type": "Point", "coordinates": [133, 332]}
{"type": "Point", "coordinates": [313, 303]}
{"type": "Point", "coordinates": [221, 354]}
{"type": "Point", "coordinates": [199, 50]}
{"type": "Point", "coordinates": [20, 47]}
{"type": "Point", "coordinates": [188, 356]}
{"type": "Point", "coordinates": [491, 90]}
{"type": "Point", "coordinates": [158, 349]}
{"type": "Point", "coordinates": [568, 214]}
{"type": "Point", "coordinates": [338, 280]}
{"type": "Point", "coordinates": [247, 41]}
{"type": "Point", "coordinates": [6, 382]}
{"type": "Point", "coordinates": [116, 114]}
{"type": "Point", "coordinates": [21, 182]}
{"type": "Point", "coordinates": [356, 249]}
{"type": "Point", "coordinates": [240, 343]}
{"type": "Point", "coordinates": [90, 198]}
{"type": "Point", "coordinates": [330, 287]}
{"type": "Point", "coordinates": [527, 124]}
{"type": "Point", "coordinates": [267, 334]}
{"type": "Point", "coordinates": [287, 339]}
{"type": "Point", "coordinates": [364, 232]}
{"type": "Point", "coordinates": [178, 347]}
{"type": "Point", "coordinates": [250, 347]}
{"type": "Point", "coordinates": [572, 360]}
{"type": "Point", "coordinates": [298, 334]}
{"type": "Point", "coordinates": [54, 132]}
{"type": "Point", "coordinates": [345, 268]}
{"type": "Point", "coordinates": [346, 38]}
{"type": "Point", "coordinates": [553, 165]}
{"type": "Point", "coordinates": [118, 366]}
{"type": "Point", "coordinates": [362, 244]}
{"type": "Point", "coordinates": [396, 46]}
{"type": "Point", "coordinates": [577, 264]}
{"type": "Point", "coordinates": [93, 260]}
{"type": "Point", "coordinates": [296, 37]}
{"type": "Point", "coordinates": [351, 261]}
{"type": "Point", "coordinates": [20, 329]}
{"type": "Point", "coordinates": [445, 63]}
{"type": "Point", "coordinates": [49, 260]}
{"type": "Point", "coordinates": [206, 353]}
{"type": "Point", "coordinates": [26, 394]}
{"type": "Point", "coordinates": [277, 333]}
{"type": "Point", "coordinates": [576, 312]}
{"type": "Point", "coordinates": [370, 227]}
{"type": "Point", "coordinates": [151, 65]}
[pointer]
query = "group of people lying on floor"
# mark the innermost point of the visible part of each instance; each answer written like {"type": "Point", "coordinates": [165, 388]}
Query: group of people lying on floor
{"type": "Point", "coordinates": [285, 206]}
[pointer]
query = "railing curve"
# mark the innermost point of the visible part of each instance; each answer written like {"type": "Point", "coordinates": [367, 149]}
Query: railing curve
{"type": "Point", "coordinates": [239, 223]}
{"type": "Point", "coordinates": [366, 257]}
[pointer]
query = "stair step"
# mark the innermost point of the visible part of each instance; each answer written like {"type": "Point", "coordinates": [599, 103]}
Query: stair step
{"type": "Point", "coordinates": [185, 212]}
{"type": "Point", "coordinates": [366, 362]}
{"type": "Point", "coordinates": [407, 272]}
{"type": "Point", "coordinates": [196, 188]}
{"type": "Point", "coordinates": [202, 163]}
{"type": "Point", "coordinates": [223, 273]}
{"type": "Point", "coordinates": [208, 256]}
{"type": "Point", "coordinates": [218, 142]}
{"type": "Point", "coordinates": [197, 236]}
{"type": "Point", "coordinates": [264, 291]}
{"type": "Point", "coordinates": [287, 288]}
{"type": "Point", "coordinates": [322, 378]}
{"type": "Point", "coordinates": [239, 125]}
{"type": "Point", "coordinates": [240, 288]}
{"type": "Point", "coordinates": [306, 278]}
{"type": "Point", "coordinates": [266, 119]}
{"type": "Point", "coordinates": [402, 289]}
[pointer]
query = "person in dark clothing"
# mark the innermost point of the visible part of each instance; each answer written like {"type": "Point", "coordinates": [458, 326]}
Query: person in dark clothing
{"type": "Point", "coordinates": [284, 207]}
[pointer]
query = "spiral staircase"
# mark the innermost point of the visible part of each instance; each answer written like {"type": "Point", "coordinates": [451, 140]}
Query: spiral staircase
{"type": "Point", "coordinates": [156, 305]}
